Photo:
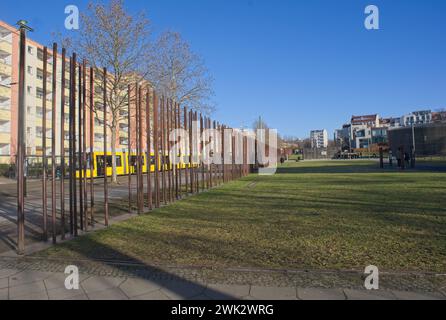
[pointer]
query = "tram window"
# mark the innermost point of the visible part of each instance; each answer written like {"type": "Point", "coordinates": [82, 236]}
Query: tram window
{"type": "Point", "coordinates": [90, 165]}
{"type": "Point", "coordinates": [100, 161]}
{"type": "Point", "coordinates": [133, 160]}
{"type": "Point", "coordinates": [152, 160]}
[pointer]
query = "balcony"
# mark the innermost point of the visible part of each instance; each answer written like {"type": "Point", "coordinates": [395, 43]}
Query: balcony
{"type": "Point", "coordinates": [5, 115]}
{"type": "Point", "coordinates": [5, 69]}
{"type": "Point", "coordinates": [5, 93]}
{"type": "Point", "coordinates": [5, 138]}
{"type": "Point", "coordinates": [5, 46]}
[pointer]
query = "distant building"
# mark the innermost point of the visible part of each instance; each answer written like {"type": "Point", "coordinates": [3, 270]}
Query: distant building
{"type": "Point", "coordinates": [342, 137]}
{"type": "Point", "coordinates": [438, 117]}
{"type": "Point", "coordinates": [361, 130]}
{"type": "Point", "coordinates": [417, 118]}
{"type": "Point", "coordinates": [379, 135]}
{"type": "Point", "coordinates": [319, 139]}
{"type": "Point", "coordinates": [391, 122]}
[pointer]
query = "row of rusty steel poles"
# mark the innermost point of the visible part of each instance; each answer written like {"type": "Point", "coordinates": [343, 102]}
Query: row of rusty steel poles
{"type": "Point", "coordinates": [155, 118]}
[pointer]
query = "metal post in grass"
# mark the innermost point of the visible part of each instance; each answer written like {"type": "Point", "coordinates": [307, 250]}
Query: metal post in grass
{"type": "Point", "coordinates": [129, 137]}
{"type": "Point", "coordinates": [62, 147]}
{"type": "Point", "coordinates": [21, 150]}
{"type": "Point", "coordinates": [79, 149]}
{"type": "Point", "coordinates": [73, 145]}
{"type": "Point", "coordinates": [149, 152]}
{"type": "Point", "coordinates": [140, 154]}
{"type": "Point", "coordinates": [84, 142]}
{"type": "Point", "coordinates": [53, 143]}
{"type": "Point", "coordinates": [186, 152]}
{"type": "Point", "coordinates": [163, 145]}
{"type": "Point", "coordinates": [137, 97]}
{"type": "Point", "coordinates": [381, 158]}
{"type": "Point", "coordinates": [91, 146]}
{"type": "Point", "coordinates": [191, 175]}
{"type": "Point", "coordinates": [44, 140]}
{"type": "Point", "coordinates": [70, 150]}
{"type": "Point", "coordinates": [175, 115]}
{"type": "Point", "coordinates": [106, 208]}
{"type": "Point", "coordinates": [156, 147]}
{"type": "Point", "coordinates": [169, 169]}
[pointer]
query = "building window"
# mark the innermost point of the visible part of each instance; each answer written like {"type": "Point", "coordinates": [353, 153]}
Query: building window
{"type": "Point", "coordinates": [30, 50]}
{"type": "Point", "coordinates": [123, 141]}
{"type": "Point", "coordinates": [5, 150]}
{"type": "Point", "coordinates": [39, 74]}
{"type": "Point", "coordinates": [39, 93]}
{"type": "Point", "coordinates": [40, 54]}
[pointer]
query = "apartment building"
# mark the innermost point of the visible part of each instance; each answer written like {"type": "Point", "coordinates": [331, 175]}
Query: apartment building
{"type": "Point", "coordinates": [417, 118]}
{"type": "Point", "coordinates": [361, 130]}
{"type": "Point", "coordinates": [319, 139]}
{"type": "Point", "coordinates": [9, 73]}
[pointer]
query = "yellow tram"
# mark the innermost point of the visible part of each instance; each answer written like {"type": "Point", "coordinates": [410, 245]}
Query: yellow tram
{"type": "Point", "coordinates": [125, 163]}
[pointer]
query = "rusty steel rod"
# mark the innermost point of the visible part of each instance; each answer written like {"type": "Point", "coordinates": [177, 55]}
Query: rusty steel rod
{"type": "Point", "coordinates": [92, 146]}
{"type": "Point", "coordinates": [180, 152]}
{"type": "Point", "coordinates": [191, 167]}
{"type": "Point", "coordinates": [106, 208]}
{"type": "Point", "coordinates": [169, 161]}
{"type": "Point", "coordinates": [163, 154]}
{"type": "Point", "coordinates": [129, 158]}
{"type": "Point", "coordinates": [197, 176]}
{"type": "Point", "coordinates": [73, 145]}
{"type": "Point", "coordinates": [62, 146]}
{"type": "Point", "coordinates": [186, 160]}
{"type": "Point", "coordinates": [156, 147]}
{"type": "Point", "coordinates": [149, 152]}
{"type": "Point", "coordinates": [44, 140]}
{"type": "Point", "coordinates": [21, 146]}
{"type": "Point", "coordinates": [70, 148]}
{"type": "Point", "coordinates": [53, 143]}
{"type": "Point", "coordinates": [137, 145]}
{"type": "Point", "coordinates": [84, 142]}
{"type": "Point", "coordinates": [140, 155]}
{"type": "Point", "coordinates": [79, 163]}
{"type": "Point", "coordinates": [202, 150]}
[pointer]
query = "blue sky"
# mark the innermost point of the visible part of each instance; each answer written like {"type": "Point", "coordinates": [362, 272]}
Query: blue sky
{"type": "Point", "coordinates": [301, 65]}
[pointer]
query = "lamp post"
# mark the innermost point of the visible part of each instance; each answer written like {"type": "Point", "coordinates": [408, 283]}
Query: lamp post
{"type": "Point", "coordinates": [23, 28]}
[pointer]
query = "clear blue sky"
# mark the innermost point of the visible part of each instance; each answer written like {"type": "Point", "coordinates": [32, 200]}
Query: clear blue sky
{"type": "Point", "coordinates": [301, 65]}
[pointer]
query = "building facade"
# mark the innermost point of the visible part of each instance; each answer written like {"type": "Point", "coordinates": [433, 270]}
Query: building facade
{"type": "Point", "coordinates": [319, 139]}
{"type": "Point", "coordinates": [34, 97]}
{"type": "Point", "coordinates": [361, 130]}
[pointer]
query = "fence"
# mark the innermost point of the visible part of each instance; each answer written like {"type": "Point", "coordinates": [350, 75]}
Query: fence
{"type": "Point", "coordinates": [150, 120]}
{"type": "Point", "coordinates": [319, 154]}
{"type": "Point", "coordinates": [428, 140]}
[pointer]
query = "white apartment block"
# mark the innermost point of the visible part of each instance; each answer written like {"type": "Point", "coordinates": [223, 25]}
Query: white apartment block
{"type": "Point", "coordinates": [319, 139]}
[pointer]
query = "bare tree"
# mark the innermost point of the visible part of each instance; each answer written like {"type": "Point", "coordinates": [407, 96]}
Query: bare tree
{"type": "Point", "coordinates": [179, 74]}
{"type": "Point", "coordinates": [111, 37]}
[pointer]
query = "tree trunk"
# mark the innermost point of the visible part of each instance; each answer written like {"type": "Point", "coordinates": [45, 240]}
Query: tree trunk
{"type": "Point", "coordinates": [113, 148]}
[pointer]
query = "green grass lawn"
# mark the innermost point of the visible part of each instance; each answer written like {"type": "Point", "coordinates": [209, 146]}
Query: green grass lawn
{"type": "Point", "coordinates": [316, 215]}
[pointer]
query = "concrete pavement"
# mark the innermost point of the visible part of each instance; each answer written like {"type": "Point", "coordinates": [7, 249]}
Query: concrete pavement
{"type": "Point", "coordinates": [37, 285]}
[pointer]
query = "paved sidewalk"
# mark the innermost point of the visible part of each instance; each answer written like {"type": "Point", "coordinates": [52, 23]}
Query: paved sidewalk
{"type": "Point", "coordinates": [37, 285]}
